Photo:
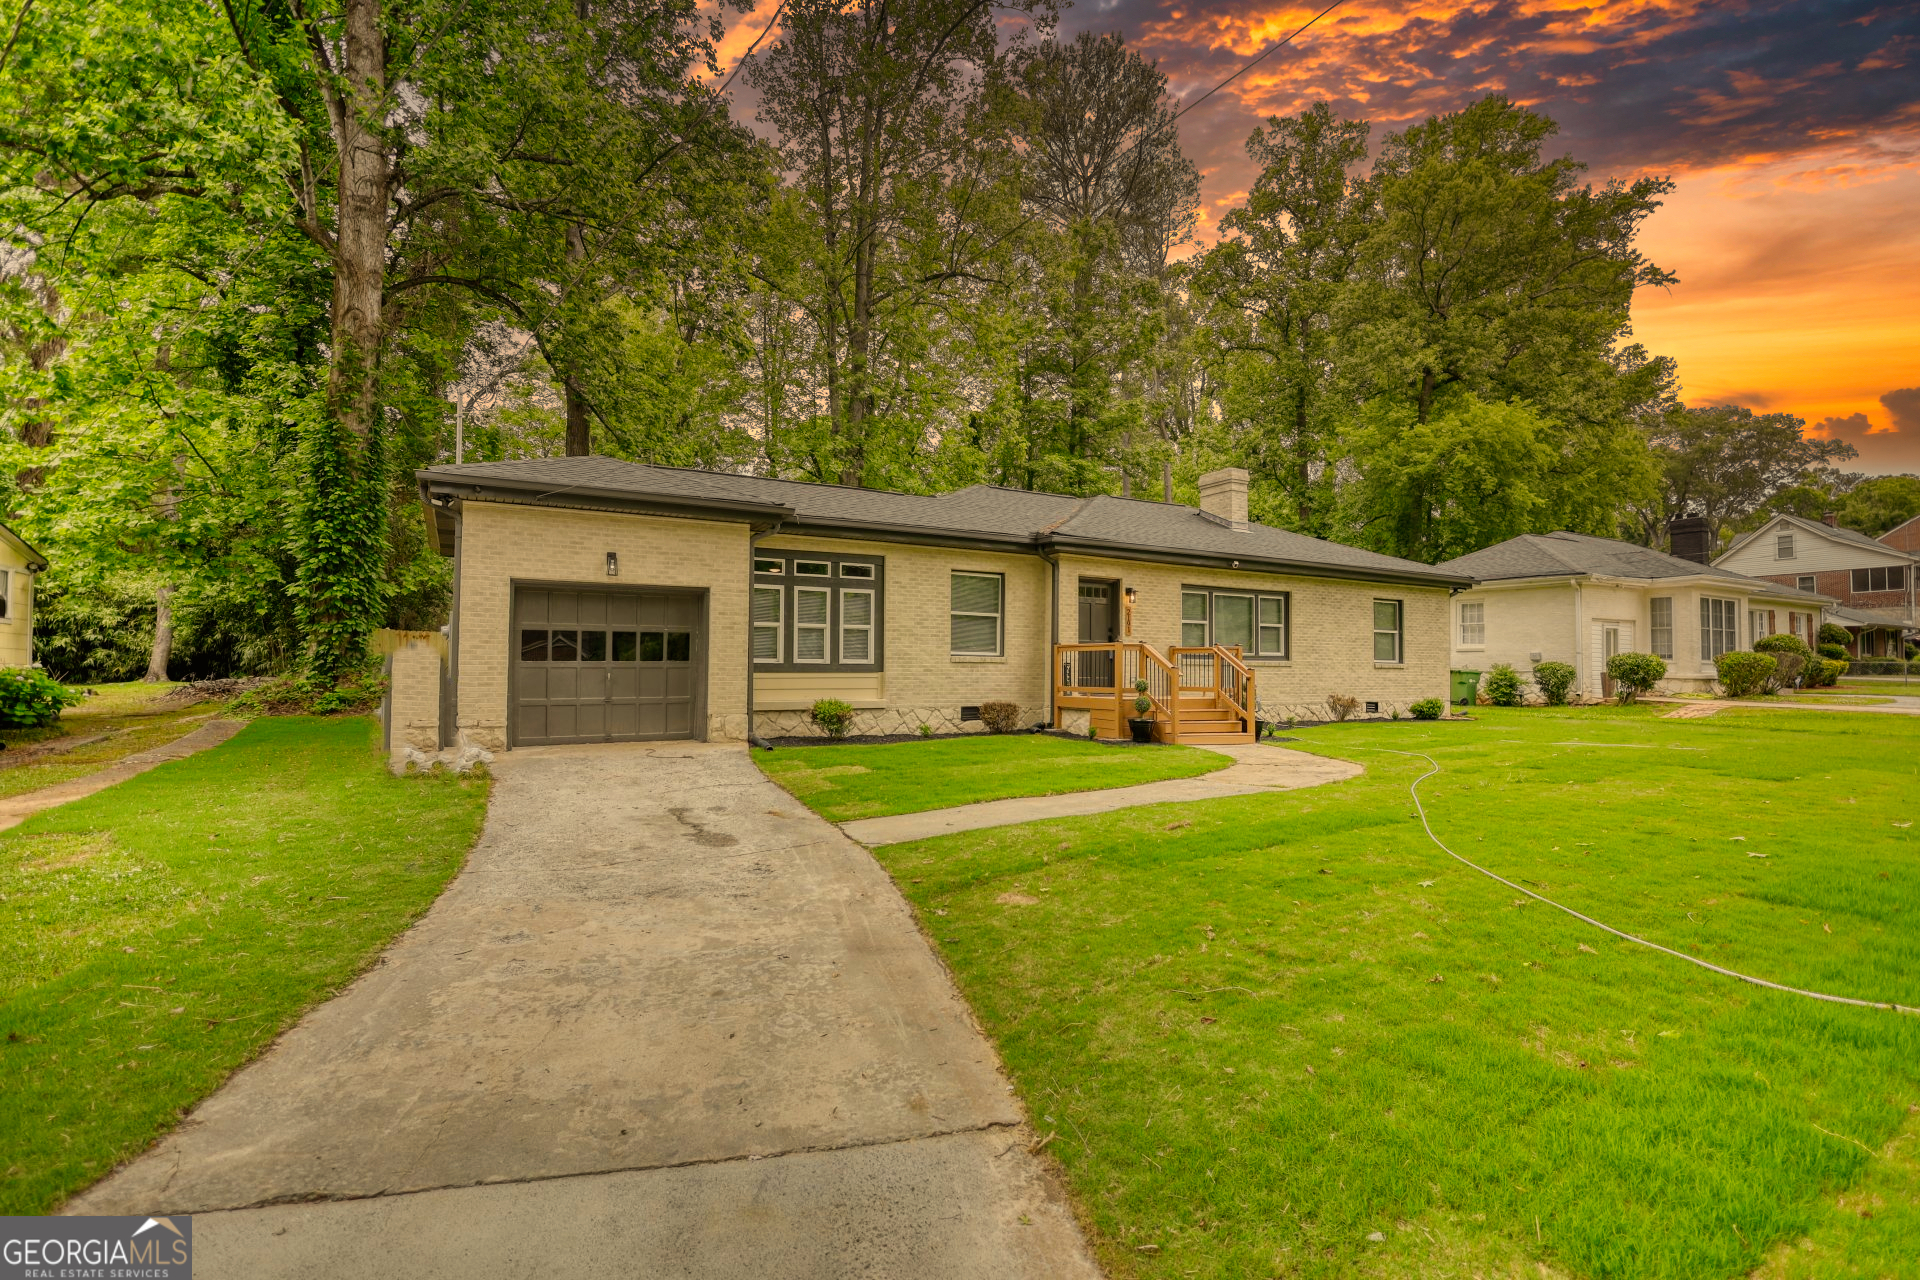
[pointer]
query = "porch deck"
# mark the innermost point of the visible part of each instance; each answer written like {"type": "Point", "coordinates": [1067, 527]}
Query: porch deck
{"type": "Point", "coordinates": [1198, 696]}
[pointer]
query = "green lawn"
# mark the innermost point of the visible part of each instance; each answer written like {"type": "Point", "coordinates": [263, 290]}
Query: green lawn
{"type": "Point", "coordinates": [867, 781]}
{"type": "Point", "coordinates": [157, 935]}
{"type": "Point", "coordinates": [122, 719]}
{"type": "Point", "coordinates": [1267, 1029]}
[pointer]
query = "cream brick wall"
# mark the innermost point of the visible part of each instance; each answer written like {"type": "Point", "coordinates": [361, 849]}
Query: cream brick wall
{"type": "Point", "coordinates": [1331, 637]}
{"type": "Point", "coordinates": [502, 543]}
{"type": "Point", "coordinates": [923, 682]}
{"type": "Point", "coordinates": [412, 711]}
{"type": "Point", "coordinates": [1563, 624]}
{"type": "Point", "coordinates": [16, 629]}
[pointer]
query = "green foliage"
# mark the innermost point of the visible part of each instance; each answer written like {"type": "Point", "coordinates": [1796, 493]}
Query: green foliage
{"type": "Point", "coordinates": [832, 715]}
{"type": "Point", "coordinates": [1834, 633]}
{"type": "Point", "coordinates": [1635, 673]}
{"type": "Point", "coordinates": [1880, 503]}
{"type": "Point", "coordinates": [1781, 642]}
{"type": "Point", "coordinates": [30, 698]}
{"type": "Point", "coordinates": [1823, 672]}
{"type": "Point", "coordinates": [1744, 674]}
{"type": "Point", "coordinates": [1725, 462]}
{"type": "Point", "coordinates": [1428, 709]}
{"type": "Point", "coordinates": [1505, 687]}
{"type": "Point", "coordinates": [1554, 679]}
{"type": "Point", "coordinates": [1837, 652]}
{"type": "Point", "coordinates": [1341, 705]}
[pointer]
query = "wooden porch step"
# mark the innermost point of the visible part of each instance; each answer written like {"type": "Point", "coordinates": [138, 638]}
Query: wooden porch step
{"type": "Point", "coordinates": [1190, 739]}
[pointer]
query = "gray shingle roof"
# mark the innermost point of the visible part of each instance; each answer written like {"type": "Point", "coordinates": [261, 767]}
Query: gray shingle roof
{"type": "Point", "coordinates": [982, 511]}
{"type": "Point", "coordinates": [1548, 555]}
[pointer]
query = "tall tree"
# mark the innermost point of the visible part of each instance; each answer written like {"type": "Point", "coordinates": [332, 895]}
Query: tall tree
{"type": "Point", "coordinates": [1724, 461]}
{"type": "Point", "coordinates": [1274, 289]}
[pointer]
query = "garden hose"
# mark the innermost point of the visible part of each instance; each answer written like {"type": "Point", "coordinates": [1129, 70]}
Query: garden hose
{"type": "Point", "coordinates": [1434, 767]}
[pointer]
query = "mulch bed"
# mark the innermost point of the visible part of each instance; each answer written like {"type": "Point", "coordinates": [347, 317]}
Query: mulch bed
{"type": "Point", "coordinates": [874, 739]}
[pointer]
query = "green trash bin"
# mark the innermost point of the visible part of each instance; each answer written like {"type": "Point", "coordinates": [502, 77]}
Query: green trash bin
{"type": "Point", "coordinates": [1466, 686]}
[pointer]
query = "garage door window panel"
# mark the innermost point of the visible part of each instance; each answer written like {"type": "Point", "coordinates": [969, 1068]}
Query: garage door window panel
{"type": "Point", "coordinates": [619, 665]}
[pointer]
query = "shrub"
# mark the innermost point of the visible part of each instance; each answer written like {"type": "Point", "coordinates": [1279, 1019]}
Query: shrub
{"type": "Point", "coordinates": [1837, 652]}
{"type": "Point", "coordinates": [1428, 709]}
{"type": "Point", "coordinates": [1635, 673]}
{"type": "Point", "coordinates": [926, 731]}
{"type": "Point", "coordinates": [1829, 671]}
{"type": "Point", "coordinates": [1790, 659]}
{"type": "Point", "coordinates": [31, 698]}
{"type": "Point", "coordinates": [1000, 717]}
{"type": "Point", "coordinates": [1554, 679]}
{"type": "Point", "coordinates": [1744, 674]}
{"type": "Point", "coordinates": [1142, 704]}
{"type": "Point", "coordinates": [1780, 642]}
{"type": "Point", "coordinates": [1834, 633]}
{"type": "Point", "coordinates": [1341, 705]}
{"type": "Point", "coordinates": [832, 715]}
{"type": "Point", "coordinates": [1505, 688]}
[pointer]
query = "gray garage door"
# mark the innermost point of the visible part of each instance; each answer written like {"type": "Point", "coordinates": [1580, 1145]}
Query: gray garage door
{"type": "Point", "coordinates": [605, 666]}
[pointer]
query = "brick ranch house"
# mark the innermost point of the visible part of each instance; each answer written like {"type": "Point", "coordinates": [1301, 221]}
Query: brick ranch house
{"type": "Point", "coordinates": [601, 600]}
{"type": "Point", "coordinates": [1871, 581]}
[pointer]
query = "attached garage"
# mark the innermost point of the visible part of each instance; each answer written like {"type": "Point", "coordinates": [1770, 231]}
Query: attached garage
{"type": "Point", "coordinates": [607, 666]}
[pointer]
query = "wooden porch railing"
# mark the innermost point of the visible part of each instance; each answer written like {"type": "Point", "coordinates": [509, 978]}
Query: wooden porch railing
{"type": "Point", "coordinates": [1099, 679]}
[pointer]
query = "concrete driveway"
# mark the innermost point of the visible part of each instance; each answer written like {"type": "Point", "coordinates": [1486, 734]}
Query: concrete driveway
{"type": "Point", "coordinates": [666, 1022]}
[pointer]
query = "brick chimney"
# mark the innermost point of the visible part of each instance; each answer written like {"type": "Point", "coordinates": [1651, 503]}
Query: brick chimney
{"type": "Point", "coordinates": [1831, 517]}
{"type": "Point", "coordinates": [1223, 497]}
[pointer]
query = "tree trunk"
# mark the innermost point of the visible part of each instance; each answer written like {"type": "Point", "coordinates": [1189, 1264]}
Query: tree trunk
{"type": "Point", "coordinates": [579, 427]}
{"type": "Point", "coordinates": [162, 635]}
{"type": "Point", "coordinates": [360, 255]}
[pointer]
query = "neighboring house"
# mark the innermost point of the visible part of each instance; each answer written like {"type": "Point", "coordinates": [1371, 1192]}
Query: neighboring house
{"type": "Point", "coordinates": [600, 600]}
{"type": "Point", "coordinates": [1871, 582]}
{"type": "Point", "coordinates": [1568, 597]}
{"type": "Point", "coordinates": [19, 562]}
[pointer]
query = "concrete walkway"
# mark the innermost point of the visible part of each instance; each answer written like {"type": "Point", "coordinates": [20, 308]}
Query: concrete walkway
{"type": "Point", "coordinates": [15, 810]}
{"type": "Point", "coordinates": [665, 1023]}
{"type": "Point", "coordinates": [1256, 767]}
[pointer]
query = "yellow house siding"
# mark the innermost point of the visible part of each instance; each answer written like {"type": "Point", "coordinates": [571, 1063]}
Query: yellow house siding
{"type": "Point", "coordinates": [16, 629]}
{"type": "Point", "coordinates": [501, 544]}
{"type": "Point", "coordinates": [923, 682]}
{"type": "Point", "coordinates": [1331, 636]}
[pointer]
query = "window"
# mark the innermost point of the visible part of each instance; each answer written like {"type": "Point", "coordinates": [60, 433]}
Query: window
{"type": "Point", "coordinates": [1193, 620]}
{"type": "Point", "coordinates": [1233, 621]}
{"type": "Point", "coordinates": [1783, 546]}
{"type": "Point", "coordinates": [1719, 627]}
{"type": "Point", "coordinates": [1660, 610]}
{"type": "Point", "coordinates": [1881, 578]}
{"type": "Point", "coordinates": [1273, 626]}
{"type": "Point", "coordinates": [975, 609]}
{"type": "Point", "coordinates": [766, 622]}
{"type": "Point", "coordinates": [6, 593]}
{"type": "Point", "coordinates": [802, 619]}
{"type": "Point", "coordinates": [812, 606]}
{"type": "Point", "coordinates": [1804, 582]}
{"type": "Point", "coordinates": [1386, 631]}
{"type": "Point", "coordinates": [1260, 625]}
{"type": "Point", "coordinates": [1473, 624]}
{"type": "Point", "coordinates": [856, 626]}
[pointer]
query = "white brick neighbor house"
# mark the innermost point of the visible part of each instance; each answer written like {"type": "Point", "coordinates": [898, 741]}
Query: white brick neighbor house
{"type": "Point", "coordinates": [1569, 597]}
{"type": "Point", "coordinates": [599, 600]}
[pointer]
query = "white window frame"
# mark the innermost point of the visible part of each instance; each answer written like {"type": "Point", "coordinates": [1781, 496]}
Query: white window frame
{"type": "Point", "coordinates": [1398, 633]}
{"type": "Point", "coordinates": [770, 567]}
{"type": "Point", "coordinates": [999, 615]}
{"type": "Point", "coordinates": [1805, 582]}
{"type": "Point", "coordinates": [866, 627]}
{"type": "Point", "coordinates": [1756, 624]}
{"type": "Point", "coordinates": [860, 572]}
{"type": "Point", "coordinates": [1783, 546]}
{"type": "Point", "coordinates": [1284, 626]}
{"type": "Point", "coordinates": [1713, 612]}
{"type": "Point", "coordinates": [778, 624]}
{"type": "Point", "coordinates": [1658, 646]}
{"type": "Point", "coordinates": [6, 595]}
{"type": "Point", "coordinates": [824, 628]}
{"type": "Point", "coordinates": [1473, 625]}
{"type": "Point", "coordinates": [1252, 646]}
{"type": "Point", "coordinates": [805, 568]}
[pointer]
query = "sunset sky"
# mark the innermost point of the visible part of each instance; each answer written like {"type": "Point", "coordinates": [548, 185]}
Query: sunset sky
{"type": "Point", "coordinates": [1792, 128]}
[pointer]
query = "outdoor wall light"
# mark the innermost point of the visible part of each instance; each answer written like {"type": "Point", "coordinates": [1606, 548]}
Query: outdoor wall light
{"type": "Point", "coordinates": [613, 565]}
{"type": "Point", "coordinates": [1132, 595]}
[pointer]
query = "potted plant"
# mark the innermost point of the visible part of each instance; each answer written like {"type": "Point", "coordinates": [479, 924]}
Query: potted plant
{"type": "Point", "coordinates": [1142, 722]}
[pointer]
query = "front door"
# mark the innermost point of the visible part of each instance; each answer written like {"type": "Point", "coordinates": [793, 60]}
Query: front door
{"type": "Point", "coordinates": [1096, 627]}
{"type": "Point", "coordinates": [1609, 645]}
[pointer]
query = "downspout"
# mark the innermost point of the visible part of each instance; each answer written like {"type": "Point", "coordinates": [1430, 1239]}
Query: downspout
{"type": "Point", "coordinates": [1579, 635]}
{"type": "Point", "coordinates": [450, 683]}
{"type": "Point", "coordinates": [753, 544]}
{"type": "Point", "coordinates": [1052, 558]}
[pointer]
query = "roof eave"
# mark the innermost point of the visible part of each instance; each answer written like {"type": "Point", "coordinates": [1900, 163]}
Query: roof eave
{"type": "Point", "coordinates": [1250, 562]}
{"type": "Point", "coordinates": [460, 487]}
